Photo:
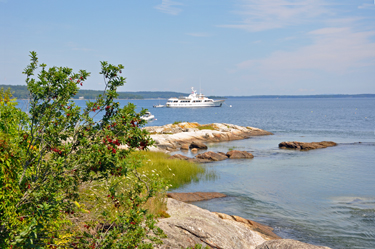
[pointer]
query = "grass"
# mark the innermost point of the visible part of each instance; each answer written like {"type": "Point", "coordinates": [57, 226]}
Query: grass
{"type": "Point", "coordinates": [206, 127]}
{"type": "Point", "coordinates": [176, 172]}
{"type": "Point", "coordinates": [177, 122]}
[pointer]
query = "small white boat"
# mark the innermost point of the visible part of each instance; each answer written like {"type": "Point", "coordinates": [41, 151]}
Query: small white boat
{"type": "Point", "coordinates": [194, 100]}
{"type": "Point", "coordinates": [158, 106]}
{"type": "Point", "coordinates": [148, 116]}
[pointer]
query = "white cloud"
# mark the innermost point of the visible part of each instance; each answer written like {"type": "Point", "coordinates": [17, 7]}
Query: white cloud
{"type": "Point", "coordinates": [167, 7]}
{"type": "Point", "coordinates": [334, 50]}
{"type": "Point", "coordinates": [367, 6]}
{"type": "Point", "coordinates": [258, 15]}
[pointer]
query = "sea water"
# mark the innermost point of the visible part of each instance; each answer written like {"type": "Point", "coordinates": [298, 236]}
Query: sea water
{"type": "Point", "coordinates": [324, 197]}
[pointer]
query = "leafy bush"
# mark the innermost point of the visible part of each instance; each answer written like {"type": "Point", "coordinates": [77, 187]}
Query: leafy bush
{"type": "Point", "coordinates": [65, 181]}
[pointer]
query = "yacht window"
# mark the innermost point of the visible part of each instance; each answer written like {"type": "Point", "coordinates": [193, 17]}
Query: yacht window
{"type": "Point", "coordinates": [175, 101]}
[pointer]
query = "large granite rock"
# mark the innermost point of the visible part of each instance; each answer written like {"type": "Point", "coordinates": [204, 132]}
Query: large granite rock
{"type": "Point", "coordinates": [195, 196]}
{"type": "Point", "coordinates": [288, 244]}
{"type": "Point", "coordinates": [170, 137]}
{"type": "Point", "coordinates": [190, 225]}
{"type": "Point", "coordinates": [306, 146]}
{"type": "Point", "coordinates": [211, 156]}
{"type": "Point", "coordinates": [236, 154]}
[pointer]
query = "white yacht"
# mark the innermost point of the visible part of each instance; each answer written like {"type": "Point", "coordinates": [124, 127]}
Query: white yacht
{"type": "Point", "coordinates": [194, 100]}
{"type": "Point", "coordinates": [148, 116]}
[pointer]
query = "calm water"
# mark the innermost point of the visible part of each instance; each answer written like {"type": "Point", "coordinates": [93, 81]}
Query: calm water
{"type": "Point", "coordinates": [323, 197]}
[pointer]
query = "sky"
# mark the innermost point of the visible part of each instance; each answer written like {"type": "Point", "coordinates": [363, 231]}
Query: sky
{"type": "Point", "coordinates": [230, 48]}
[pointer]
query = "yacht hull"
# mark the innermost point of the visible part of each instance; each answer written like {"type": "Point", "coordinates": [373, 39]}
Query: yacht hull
{"type": "Point", "coordinates": [215, 103]}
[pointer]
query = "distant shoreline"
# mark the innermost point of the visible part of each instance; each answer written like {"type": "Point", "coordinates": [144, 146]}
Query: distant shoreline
{"type": "Point", "coordinates": [20, 92]}
{"type": "Point", "coordinates": [267, 97]}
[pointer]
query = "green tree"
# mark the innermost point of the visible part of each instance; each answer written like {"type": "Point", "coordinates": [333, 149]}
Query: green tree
{"type": "Point", "coordinates": [58, 165]}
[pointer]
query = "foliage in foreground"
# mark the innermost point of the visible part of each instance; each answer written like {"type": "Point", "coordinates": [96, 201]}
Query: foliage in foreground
{"type": "Point", "coordinates": [53, 158]}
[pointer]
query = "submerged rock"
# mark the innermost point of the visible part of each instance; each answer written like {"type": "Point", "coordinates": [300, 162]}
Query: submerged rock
{"type": "Point", "coordinates": [306, 146]}
{"type": "Point", "coordinates": [195, 196]}
{"type": "Point", "coordinates": [288, 244]}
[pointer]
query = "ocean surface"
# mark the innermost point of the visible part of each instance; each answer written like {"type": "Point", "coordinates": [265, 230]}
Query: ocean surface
{"type": "Point", "coordinates": [323, 197]}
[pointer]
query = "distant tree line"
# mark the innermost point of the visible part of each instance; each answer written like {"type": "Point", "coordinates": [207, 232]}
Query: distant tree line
{"type": "Point", "coordinates": [21, 92]}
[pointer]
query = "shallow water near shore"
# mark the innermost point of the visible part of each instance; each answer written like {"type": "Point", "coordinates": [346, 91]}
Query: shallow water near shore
{"type": "Point", "coordinates": [323, 197]}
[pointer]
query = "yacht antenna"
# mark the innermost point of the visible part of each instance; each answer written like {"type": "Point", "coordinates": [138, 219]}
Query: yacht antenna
{"type": "Point", "coordinates": [200, 86]}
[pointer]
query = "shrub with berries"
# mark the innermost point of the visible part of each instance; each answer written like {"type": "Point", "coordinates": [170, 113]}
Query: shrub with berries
{"type": "Point", "coordinates": [67, 180]}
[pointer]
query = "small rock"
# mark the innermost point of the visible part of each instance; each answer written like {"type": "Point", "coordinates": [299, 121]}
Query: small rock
{"type": "Point", "coordinates": [194, 150]}
{"type": "Point", "coordinates": [212, 156]}
{"type": "Point", "coordinates": [236, 154]}
{"type": "Point", "coordinates": [184, 147]}
{"type": "Point", "coordinates": [198, 145]}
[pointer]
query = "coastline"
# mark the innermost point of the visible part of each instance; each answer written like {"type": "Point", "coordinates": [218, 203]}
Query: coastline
{"type": "Point", "coordinates": [190, 225]}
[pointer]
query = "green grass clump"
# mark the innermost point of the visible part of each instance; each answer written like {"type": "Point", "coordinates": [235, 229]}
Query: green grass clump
{"type": "Point", "coordinates": [177, 122]}
{"type": "Point", "coordinates": [206, 127]}
{"type": "Point", "coordinates": [176, 172]}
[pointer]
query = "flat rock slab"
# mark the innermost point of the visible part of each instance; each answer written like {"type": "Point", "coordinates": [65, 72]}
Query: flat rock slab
{"type": "Point", "coordinates": [195, 196]}
{"type": "Point", "coordinates": [288, 244]}
{"type": "Point", "coordinates": [190, 225]}
{"type": "Point", "coordinates": [306, 146]}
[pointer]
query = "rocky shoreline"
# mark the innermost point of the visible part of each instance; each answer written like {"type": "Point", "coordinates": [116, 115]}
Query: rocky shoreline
{"type": "Point", "coordinates": [173, 137]}
{"type": "Point", "coordinates": [189, 225]}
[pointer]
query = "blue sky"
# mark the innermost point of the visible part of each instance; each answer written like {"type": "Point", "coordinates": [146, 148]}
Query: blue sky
{"type": "Point", "coordinates": [233, 47]}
